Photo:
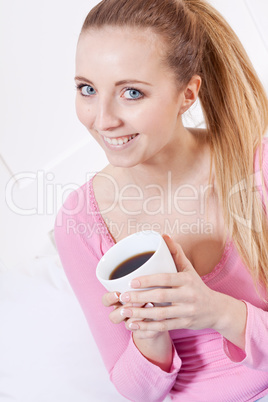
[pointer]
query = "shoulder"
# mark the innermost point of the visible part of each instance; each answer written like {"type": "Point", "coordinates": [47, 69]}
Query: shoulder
{"type": "Point", "coordinates": [263, 151]}
{"type": "Point", "coordinates": [261, 165]}
{"type": "Point", "coordinates": [77, 202]}
{"type": "Point", "coordinates": [265, 160]}
{"type": "Point", "coordinates": [77, 215]}
{"type": "Point", "coordinates": [79, 221]}
{"type": "Point", "coordinates": [81, 203]}
{"type": "Point", "coordinates": [265, 141]}
{"type": "Point", "coordinates": [106, 187]}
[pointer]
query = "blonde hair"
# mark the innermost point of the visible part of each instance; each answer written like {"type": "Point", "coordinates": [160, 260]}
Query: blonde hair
{"type": "Point", "coordinates": [199, 41]}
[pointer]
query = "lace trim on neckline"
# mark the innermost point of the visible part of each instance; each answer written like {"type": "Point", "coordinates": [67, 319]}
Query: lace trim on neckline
{"type": "Point", "coordinates": [109, 238]}
{"type": "Point", "coordinates": [217, 269]}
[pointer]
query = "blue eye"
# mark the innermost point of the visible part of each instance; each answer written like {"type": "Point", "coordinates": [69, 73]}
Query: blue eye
{"type": "Point", "coordinates": [133, 94]}
{"type": "Point", "coordinates": [86, 90]}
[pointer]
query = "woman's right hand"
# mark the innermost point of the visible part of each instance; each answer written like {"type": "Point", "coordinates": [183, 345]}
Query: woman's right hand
{"type": "Point", "coordinates": [155, 346]}
{"type": "Point", "coordinates": [112, 299]}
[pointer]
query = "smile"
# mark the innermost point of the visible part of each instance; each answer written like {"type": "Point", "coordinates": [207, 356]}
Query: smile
{"type": "Point", "coordinates": [119, 140]}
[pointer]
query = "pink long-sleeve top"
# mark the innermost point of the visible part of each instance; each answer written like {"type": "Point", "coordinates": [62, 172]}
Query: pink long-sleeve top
{"type": "Point", "coordinates": [206, 367]}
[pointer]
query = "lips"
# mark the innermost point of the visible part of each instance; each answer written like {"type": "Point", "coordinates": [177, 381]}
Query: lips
{"type": "Point", "coordinates": [120, 140]}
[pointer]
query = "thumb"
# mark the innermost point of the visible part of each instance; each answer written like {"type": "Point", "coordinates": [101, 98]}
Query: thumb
{"type": "Point", "coordinates": [181, 261]}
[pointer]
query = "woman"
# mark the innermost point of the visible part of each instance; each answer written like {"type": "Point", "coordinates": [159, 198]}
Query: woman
{"type": "Point", "coordinates": [140, 65]}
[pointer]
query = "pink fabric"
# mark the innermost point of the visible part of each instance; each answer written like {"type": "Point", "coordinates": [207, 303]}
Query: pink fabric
{"type": "Point", "coordinates": [206, 367]}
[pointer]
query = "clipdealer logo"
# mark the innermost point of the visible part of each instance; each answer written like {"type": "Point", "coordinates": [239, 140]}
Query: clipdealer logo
{"type": "Point", "coordinates": [48, 196]}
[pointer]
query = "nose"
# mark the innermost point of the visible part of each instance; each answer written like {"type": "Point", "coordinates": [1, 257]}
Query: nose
{"type": "Point", "coordinates": [107, 116]}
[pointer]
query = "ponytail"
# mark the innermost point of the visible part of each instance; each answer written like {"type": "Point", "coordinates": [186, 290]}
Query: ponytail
{"type": "Point", "coordinates": [235, 108]}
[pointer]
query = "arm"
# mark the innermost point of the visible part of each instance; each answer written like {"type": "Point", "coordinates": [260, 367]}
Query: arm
{"type": "Point", "coordinates": [80, 255]}
{"type": "Point", "coordinates": [253, 352]}
{"type": "Point", "coordinates": [231, 319]}
{"type": "Point", "coordinates": [157, 349]}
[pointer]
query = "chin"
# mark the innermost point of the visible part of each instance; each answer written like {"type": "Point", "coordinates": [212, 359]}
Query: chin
{"type": "Point", "coordinates": [122, 163]}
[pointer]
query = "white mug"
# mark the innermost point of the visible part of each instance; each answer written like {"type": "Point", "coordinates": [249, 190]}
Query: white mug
{"type": "Point", "coordinates": [148, 240]}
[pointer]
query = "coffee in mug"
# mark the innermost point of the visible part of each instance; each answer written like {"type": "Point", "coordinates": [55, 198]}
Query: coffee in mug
{"type": "Point", "coordinates": [130, 265]}
{"type": "Point", "coordinates": [114, 270]}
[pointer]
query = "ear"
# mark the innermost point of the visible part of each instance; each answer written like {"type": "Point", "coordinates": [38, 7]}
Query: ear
{"type": "Point", "coordinates": [190, 93]}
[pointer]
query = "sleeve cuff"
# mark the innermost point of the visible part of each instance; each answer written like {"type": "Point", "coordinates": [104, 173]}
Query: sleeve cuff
{"type": "Point", "coordinates": [233, 352]}
{"type": "Point", "coordinates": [148, 381]}
{"type": "Point", "coordinates": [154, 369]}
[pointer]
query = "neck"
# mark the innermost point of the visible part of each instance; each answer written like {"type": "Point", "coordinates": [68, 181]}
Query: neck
{"type": "Point", "coordinates": [185, 162]}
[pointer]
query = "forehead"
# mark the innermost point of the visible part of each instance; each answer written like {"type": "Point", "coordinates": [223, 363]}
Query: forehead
{"type": "Point", "coordinates": [138, 51]}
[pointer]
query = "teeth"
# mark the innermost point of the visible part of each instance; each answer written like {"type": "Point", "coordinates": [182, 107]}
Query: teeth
{"type": "Point", "coordinates": [119, 141]}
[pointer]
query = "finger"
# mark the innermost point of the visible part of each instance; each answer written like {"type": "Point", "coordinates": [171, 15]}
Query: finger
{"type": "Point", "coordinates": [159, 295]}
{"type": "Point", "coordinates": [133, 326]}
{"type": "Point", "coordinates": [116, 316]}
{"type": "Point", "coordinates": [157, 280]}
{"type": "Point", "coordinates": [111, 298]}
{"type": "Point", "coordinates": [157, 313]}
{"type": "Point", "coordinates": [161, 326]}
{"type": "Point", "coordinates": [181, 261]}
{"type": "Point", "coordinates": [117, 305]}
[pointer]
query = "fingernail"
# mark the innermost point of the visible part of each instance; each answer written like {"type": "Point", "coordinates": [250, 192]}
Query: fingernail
{"type": "Point", "coordinates": [133, 325]}
{"type": "Point", "coordinates": [149, 305]}
{"type": "Point", "coordinates": [167, 235]}
{"type": "Point", "coordinates": [124, 297]}
{"type": "Point", "coordinates": [114, 297]}
{"type": "Point", "coordinates": [125, 312]}
{"type": "Point", "coordinates": [135, 283]}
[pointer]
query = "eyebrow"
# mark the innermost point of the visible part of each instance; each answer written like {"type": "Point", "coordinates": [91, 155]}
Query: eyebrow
{"type": "Point", "coordinates": [122, 82]}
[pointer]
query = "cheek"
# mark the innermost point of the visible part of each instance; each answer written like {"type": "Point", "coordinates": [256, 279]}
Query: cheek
{"type": "Point", "coordinates": [83, 113]}
{"type": "Point", "coordinates": [159, 118]}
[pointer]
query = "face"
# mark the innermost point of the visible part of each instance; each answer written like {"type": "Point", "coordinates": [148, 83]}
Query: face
{"type": "Point", "coordinates": [126, 97]}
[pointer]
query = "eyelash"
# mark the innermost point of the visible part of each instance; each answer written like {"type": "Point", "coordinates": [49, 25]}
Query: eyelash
{"type": "Point", "coordinates": [80, 86]}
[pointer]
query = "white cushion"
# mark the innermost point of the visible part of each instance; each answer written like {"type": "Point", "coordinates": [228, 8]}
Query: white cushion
{"type": "Point", "coordinates": [46, 348]}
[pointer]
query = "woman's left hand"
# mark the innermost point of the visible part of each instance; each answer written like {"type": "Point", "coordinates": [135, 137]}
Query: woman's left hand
{"type": "Point", "coordinates": [193, 304]}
